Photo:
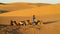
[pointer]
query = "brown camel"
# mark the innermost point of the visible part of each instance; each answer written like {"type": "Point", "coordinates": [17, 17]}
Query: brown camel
{"type": "Point", "coordinates": [13, 22]}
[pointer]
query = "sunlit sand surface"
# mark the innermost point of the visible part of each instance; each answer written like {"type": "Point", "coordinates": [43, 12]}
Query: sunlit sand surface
{"type": "Point", "coordinates": [48, 13]}
{"type": "Point", "coordinates": [20, 6]}
{"type": "Point", "coordinates": [39, 11]}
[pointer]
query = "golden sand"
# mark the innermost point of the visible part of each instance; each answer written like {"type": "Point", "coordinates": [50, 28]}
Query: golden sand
{"type": "Point", "coordinates": [20, 6]}
{"type": "Point", "coordinates": [45, 13]}
{"type": "Point", "coordinates": [39, 11]}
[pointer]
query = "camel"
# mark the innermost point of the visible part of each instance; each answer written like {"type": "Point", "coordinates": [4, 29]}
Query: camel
{"type": "Point", "coordinates": [13, 22]}
{"type": "Point", "coordinates": [36, 23]}
{"type": "Point", "coordinates": [29, 23]}
{"type": "Point", "coordinates": [22, 23]}
{"type": "Point", "coordinates": [25, 23]}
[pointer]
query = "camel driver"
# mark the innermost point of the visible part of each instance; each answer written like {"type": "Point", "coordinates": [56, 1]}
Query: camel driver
{"type": "Point", "coordinates": [33, 19]}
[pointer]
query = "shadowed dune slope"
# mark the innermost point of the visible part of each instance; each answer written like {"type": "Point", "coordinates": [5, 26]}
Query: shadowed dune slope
{"type": "Point", "coordinates": [3, 4]}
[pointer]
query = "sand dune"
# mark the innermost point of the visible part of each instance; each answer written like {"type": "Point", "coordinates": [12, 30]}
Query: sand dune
{"type": "Point", "coordinates": [45, 13]}
{"type": "Point", "coordinates": [40, 11]}
{"type": "Point", "coordinates": [19, 6]}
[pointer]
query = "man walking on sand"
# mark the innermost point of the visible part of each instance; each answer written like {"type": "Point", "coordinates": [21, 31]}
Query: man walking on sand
{"type": "Point", "coordinates": [33, 19]}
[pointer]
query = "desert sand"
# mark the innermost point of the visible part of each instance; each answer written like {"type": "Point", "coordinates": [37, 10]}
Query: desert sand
{"type": "Point", "coordinates": [20, 6]}
{"type": "Point", "coordinates": [44, 13]}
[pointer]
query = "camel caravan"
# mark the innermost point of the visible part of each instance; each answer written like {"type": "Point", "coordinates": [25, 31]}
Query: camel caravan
{"type": "Point", "coordinates": [27, 22]}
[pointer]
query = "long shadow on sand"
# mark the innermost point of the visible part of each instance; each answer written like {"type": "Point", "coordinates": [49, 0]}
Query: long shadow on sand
{"type": "Point", "coordinates": [48, 22]}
